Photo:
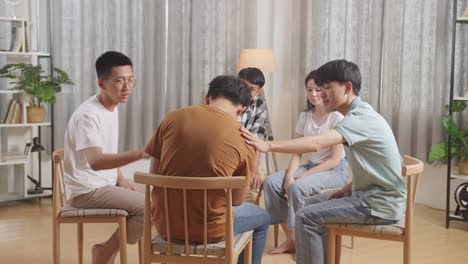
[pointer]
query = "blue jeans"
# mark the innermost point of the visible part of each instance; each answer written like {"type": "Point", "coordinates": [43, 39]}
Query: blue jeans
{"type": "Point", "coordinates": [311, 220]}
{"type": "Point", "coordinates": [249, 217]}
{"type": "Point", "coordinates": [283, 210]}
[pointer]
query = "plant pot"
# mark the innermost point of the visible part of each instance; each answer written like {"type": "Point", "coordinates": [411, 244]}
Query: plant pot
{"type": "Point", "coordinates": [463, 167]}
{"type": "Point", "coordinates": [36, 114]}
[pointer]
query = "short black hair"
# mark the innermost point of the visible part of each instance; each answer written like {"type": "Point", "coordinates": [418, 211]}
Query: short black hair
{"type": "Point", "coordinates": [231, 88]}
{"type": "Point", "coordinates": [311, 76]}
{"type": "Point", "coordinates": [108, 60]}
{"type": "Point", "coordinates": [341, 71]}
{"type": "Point", "coordinates": [253, 76]}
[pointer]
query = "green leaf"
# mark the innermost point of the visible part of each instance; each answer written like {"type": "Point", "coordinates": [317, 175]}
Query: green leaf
{"type": "Point", "coordinates": [457, 106]}
{"type": "Point", "coordinates": [439, 152]}
{"type": "Point", "coordinates": [452, 129]}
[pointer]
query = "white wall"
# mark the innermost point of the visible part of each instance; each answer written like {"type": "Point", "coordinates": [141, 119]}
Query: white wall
{"type": "Point", "coordinates": [432, 190]}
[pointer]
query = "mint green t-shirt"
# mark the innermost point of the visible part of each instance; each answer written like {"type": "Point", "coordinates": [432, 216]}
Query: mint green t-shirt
{"type": "Point", "coordinates": [374, 159]}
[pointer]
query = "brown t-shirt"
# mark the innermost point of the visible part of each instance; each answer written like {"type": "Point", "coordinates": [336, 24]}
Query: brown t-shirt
{"type": "Point", "coordinates": [197, 141]}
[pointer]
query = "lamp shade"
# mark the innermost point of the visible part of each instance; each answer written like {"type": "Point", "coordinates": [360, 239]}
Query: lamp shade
{"type": "Point", "coordinates": [263, 59]}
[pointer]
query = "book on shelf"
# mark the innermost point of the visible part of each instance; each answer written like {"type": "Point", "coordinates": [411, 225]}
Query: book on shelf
{"type": "Point", "coordinates": [12, 36]}
{"type": "Point", "coordinates": [16, 118]}
{"type": "Point", "coordinates": [14, 113]}
{"type": "Point", "coordinates": [26, 38]}
{"type": "Point", "coordinates": [19, 118]}
{"type": "Point", "coordinates": [9, 113]}
{"type": "Point", "coordinates": [17, 34]}
{"type": "Point", "coordinates": [5, 35]}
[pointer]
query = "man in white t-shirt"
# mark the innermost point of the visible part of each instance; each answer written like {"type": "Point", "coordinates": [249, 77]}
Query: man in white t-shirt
{"type": "Point", "coordinates": [93, 178]}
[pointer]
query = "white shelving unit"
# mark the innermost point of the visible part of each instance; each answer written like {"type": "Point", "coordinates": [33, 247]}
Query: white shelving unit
{"type": "Point", "coordinates": [15, 167]}
{"type": "Point", "coordinates": [459, 176]}
{"type": "Point", "coordinates": [14, 162]}
{"type": "Point", "coordinates": [26, 125]}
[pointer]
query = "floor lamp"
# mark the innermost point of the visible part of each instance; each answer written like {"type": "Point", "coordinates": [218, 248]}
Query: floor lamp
{"type": "Point", "coordinates": [264, 60]}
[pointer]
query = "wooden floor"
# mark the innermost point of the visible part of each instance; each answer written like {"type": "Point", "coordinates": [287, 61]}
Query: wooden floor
{"type": "Point", "coordinates": [26, 237]}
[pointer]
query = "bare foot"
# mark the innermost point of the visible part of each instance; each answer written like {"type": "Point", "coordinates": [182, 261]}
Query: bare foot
{"type": "Point", "coordinates": [100, 255]}
{"type": "Point", "coordinates": [289, 246]}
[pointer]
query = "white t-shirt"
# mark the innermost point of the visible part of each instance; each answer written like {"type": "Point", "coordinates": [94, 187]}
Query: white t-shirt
{"type": "Point", "coordinates": [91, 125]}
{"type": "Point", "coordinates": [307, 127]}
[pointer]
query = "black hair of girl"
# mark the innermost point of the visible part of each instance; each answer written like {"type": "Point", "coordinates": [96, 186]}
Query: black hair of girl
{"type": "Point", "coordinates": [311, 76]}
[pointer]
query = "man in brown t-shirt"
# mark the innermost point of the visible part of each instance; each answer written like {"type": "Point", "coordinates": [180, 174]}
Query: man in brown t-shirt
{"type": "Point", "coordinates": [204, 140]}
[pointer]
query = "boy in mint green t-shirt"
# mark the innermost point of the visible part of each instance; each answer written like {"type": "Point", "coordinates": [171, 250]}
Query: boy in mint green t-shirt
{"type": "Point", "coordinates": [377, 194]}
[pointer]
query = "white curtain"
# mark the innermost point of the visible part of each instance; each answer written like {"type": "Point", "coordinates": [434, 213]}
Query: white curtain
{"type": "Point", "coordinates": [176, 46]}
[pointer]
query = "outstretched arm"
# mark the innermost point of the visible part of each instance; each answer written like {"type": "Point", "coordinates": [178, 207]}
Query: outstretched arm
{"type": "Point", "coordinates": [297, 145]}
{"type": "Point", "coordinates": [103, 161]}
{"type": "Point", "coordinates": [330, 163]}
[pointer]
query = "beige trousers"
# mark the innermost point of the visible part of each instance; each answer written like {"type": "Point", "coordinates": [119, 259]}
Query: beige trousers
{"type": "Point", "coordinates": [119, 198]}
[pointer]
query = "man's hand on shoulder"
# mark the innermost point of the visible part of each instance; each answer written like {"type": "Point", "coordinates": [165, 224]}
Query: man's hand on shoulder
{"type": "Point", "coordinates": [254, 141]}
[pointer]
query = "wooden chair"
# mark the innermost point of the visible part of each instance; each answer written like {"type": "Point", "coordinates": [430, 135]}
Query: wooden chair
{"type": "Point", "coordinates": [401, 231]}
{"type": "Point", "coordinates": [162, 251]}
{"type": "Point", "coordinates": [63, 213]}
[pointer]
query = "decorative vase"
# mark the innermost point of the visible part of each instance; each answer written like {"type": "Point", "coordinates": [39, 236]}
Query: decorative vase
{"type": "Point", "coordinates": [36, 114]}
{"type": "Point", "coordinates": [463, 167]}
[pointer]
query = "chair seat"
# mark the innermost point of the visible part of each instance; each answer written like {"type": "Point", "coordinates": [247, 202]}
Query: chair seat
{"type": "Point", "coordinates": [68, 211]}
{"type": "Point", "coordinates": [214, 249]}
{"type": "Point", "coordinates": [395, 229]}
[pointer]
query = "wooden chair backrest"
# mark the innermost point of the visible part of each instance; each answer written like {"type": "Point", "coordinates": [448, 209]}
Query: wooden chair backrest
{"type": "Point", "coordinates": [193, 183]}
{"type": "Point", "coordinates": [412, 170]}
{"type": "Point", "coordinates": [57, 195]}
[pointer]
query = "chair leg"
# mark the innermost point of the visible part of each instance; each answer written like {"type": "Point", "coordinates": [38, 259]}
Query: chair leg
{"type": "Point", "coordinates": [338, 249]}
{"type": "Point", "coordinates": [407, 252]}
{"type": "Point", "coordinates": [276, 232]}
{"type": "Point", "coordinates": [352, 242]}
{"type": "Point", "coordinates": [80, 242]}
{"type": "Point", "coordinates": [123, 239]}
{"type": "Point", "coordinates": [331, 246]}
{"type": "Point", "coordinates": [140, 252]}
{"type": "Point", "coordinates": [56, 246]}
{"type": "Point", "coordinates": [248, 252]}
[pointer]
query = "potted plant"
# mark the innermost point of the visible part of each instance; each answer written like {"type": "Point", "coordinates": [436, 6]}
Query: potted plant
{"type": "Point", "coordinates": [39, 88]}
{"type": "Point", "coordinates": [459, 141]}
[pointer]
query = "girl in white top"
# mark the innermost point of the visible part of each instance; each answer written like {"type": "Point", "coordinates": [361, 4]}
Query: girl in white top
{"type": "Point", "coordinates": [286, 191]}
